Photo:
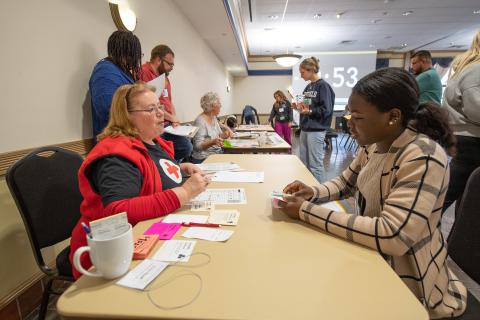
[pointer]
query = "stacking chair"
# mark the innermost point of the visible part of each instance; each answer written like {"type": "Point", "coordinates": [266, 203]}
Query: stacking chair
{"type": "Point", "coordinates": [464, 239]}
{"type": "Point", "coordinates": [329, 135]}
{"type": "Point", "coordinates": [44, 186]}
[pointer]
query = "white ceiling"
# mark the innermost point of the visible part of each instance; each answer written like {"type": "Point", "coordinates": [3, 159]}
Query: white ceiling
{"type": "Point", "coordinates": [370, 24]}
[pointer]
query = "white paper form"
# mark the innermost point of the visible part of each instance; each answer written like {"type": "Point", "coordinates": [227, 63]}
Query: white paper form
{"type": "Point", "coordinates": [184, 131]}
{"type": "Point", "coordinates": [218, 166]}
{"type": "Point", "coordinates": [333, 205]}
{"type": "Point", "coordinates": [159, 84]}
{"type": "Point", "coordinates": [185, 218]}
{"type": "Point", "coordinates": [223, 196]}
{"type": "Point", "coordinates": [144, 273]}
{"type": "Point", "coordinates": [175, 250]}
{"type": "Point", "coordinates": [224, 217]}
{"type": "Point", "coordinates": [243, 176]}
{"type": "Point", "coordinates": [109, 227]}
{"type": "Point", "coordinates": [210, 234]}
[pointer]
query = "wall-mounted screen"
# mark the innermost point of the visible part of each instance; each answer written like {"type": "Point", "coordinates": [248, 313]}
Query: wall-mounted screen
{"type": "Point", "coordinates": [341, 70]}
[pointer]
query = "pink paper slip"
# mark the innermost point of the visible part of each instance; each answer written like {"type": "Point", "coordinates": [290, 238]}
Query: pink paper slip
{"type": "Point", "coordinates": [165, 231]}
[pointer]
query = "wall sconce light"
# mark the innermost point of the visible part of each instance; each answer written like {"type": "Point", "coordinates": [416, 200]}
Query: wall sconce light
{"type": "Point", "coordinates": [123, 17]}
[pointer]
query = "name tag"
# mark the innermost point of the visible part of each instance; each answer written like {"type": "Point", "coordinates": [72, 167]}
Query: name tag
{"type": "Point", "coordinates": [281, 109]}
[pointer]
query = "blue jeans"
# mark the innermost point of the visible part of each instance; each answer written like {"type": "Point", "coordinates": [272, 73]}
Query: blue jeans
{"type": "Point", "coordinates": [311, 152]}
{"type": "Point", "coordinates": [182, 145]}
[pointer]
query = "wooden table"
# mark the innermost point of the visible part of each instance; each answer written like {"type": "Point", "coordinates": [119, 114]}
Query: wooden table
{"type": "Point", "coordinates": [280, 147]}
{"type": "Point", "coordinates": [271, 268]}
{"type": "Point", "coordinates": [255, 127]}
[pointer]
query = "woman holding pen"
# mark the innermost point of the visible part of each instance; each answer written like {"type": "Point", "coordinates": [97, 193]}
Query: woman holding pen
{"type": "Point", "coordinates": [209, 137]}
{"type": "Point", "coordinates": [132, 169]}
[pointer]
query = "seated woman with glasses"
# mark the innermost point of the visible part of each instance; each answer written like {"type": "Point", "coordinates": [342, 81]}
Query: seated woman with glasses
{"type": "Point", "coordinates": [132, 169]}
{"type": "Point", "coordinates": [209, 137]}
{"type": "Point", "coordinates": [400, 178]}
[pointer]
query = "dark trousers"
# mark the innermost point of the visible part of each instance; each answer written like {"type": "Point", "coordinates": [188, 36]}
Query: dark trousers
{"type": "Point", "coordinates": [250, 119]}
{"type": "Point", "coordinates": [182, 145]}
{"type": "Point", "coordinates": [461, 166]}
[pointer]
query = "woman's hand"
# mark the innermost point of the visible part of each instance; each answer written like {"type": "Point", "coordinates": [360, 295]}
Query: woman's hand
{"type": "Point", "coordinates": [291, 206]}
{"type": "Point", "coordinates": [299, 189]}
{"type": "Point", "coordinates": [190, 169]}
{"type": "Point", "coordinates": [227, 133]}
{"type": "Point", "coordinates": [196, 184]}
{"type": "Point", "coordinates": [216, 142]}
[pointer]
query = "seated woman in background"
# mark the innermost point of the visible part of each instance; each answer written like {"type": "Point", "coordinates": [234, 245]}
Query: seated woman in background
{"type": "Point", "coordinates": [210, 134]}
{"type": "Point", "coordinates": [282, 112]}
{"type": "Point", "coordinates": [400, 179]}
{"type": "Point", "coordinates": [132, 169]}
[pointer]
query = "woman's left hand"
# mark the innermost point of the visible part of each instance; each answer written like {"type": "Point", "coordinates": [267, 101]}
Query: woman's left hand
{"type": "Point", "coordinates": [190, 168]}
{"type": "Point", "coordinates": [291, 206]}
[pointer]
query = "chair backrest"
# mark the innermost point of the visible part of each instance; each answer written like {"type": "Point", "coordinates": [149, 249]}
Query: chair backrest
{"type": "Point", "coordinates": [464, 238]}
{"type": "Point", "coordinates": [44, 185]}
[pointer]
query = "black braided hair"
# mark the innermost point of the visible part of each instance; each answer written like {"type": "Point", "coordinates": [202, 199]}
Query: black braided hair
{"type": "Point", "coordinates": [125, 51]}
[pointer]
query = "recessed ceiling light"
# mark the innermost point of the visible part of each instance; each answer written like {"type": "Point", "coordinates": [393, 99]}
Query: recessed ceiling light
{"type": "Point", "coordinates": [388, 37]}
{"type": "Point", "coordinates": [476, 12]}
{"type": "Point", "coordinates": [407, 13]}
{"type": "Point", "coordinates": [267, 51]}
{"type": "Point", "coordinates": [371, 46]}
{"type": "Point", "coordinates": [340, 14]}
{"type": "Point", "coordinates": [297, 47]}
{"type": "Point", "coordinates": [273, 17]}
{"type": "Point", "coordinates": [376, 21]}
{"type": "Point", "coordinates": [404, 45]}
{"type": "Point", "coordinates": [317, 16]}
{"type": "Point", "coordinates": [268, 29]}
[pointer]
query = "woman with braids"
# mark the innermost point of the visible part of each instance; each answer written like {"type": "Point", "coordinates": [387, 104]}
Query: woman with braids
{"type": "Point", "coordinates": [462, 100]}
{"type": "Point", "coordinates": [399, 177]}
{"type": "Point", "coordinates": [122, 66]}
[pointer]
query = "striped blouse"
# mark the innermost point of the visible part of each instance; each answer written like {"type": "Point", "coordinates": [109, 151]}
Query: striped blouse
{"type": "Point", "coordinates": [406, 230]}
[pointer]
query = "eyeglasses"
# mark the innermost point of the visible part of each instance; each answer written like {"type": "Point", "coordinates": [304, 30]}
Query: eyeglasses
{"type": "Point", "coordinates": [153, 108]}
{"type": "Point", "coordinates": [171, 64]}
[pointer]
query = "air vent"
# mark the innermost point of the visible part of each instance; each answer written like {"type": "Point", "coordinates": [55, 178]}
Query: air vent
{"type": "Point", "coordinates": [346, 42]}
{"type": "Point", "coordinates": [456, 46]}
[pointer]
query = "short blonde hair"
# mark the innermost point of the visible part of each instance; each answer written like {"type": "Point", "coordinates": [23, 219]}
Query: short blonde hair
{"type": "Point", "coordinates": [119, 122]}
{"type": "Point", "coordinates": [208, 100]}
{"type": "Point", "coordinates": [311, 64]}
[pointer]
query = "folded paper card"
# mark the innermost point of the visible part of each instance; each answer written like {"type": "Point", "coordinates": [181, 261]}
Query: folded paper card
{"type": "Point", "coordinates": [165, 231]}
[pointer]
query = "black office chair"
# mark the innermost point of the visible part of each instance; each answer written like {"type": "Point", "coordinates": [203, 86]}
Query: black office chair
{"type": "Point", "coordinates": [464, 239]}
{"type": "Point", "coordinates": [44, 186]}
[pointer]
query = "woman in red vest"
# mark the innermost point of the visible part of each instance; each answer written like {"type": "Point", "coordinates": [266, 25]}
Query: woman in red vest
{"type": "Point", "coordinates": [132, 169]}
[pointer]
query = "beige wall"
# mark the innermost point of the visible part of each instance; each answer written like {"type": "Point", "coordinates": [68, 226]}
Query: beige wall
{"type": "Point", "coordinates": [258, 91]}
{"type": "Point", "coordinates": [48, 51]}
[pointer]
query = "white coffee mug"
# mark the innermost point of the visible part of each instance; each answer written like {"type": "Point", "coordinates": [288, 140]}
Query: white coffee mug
{"type": "Point", "coordinates": [111, 256]}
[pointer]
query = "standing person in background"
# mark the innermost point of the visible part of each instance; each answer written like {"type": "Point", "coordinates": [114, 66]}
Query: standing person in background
{"type": "Point", "coordinates": [462, 100]}
{"type": "Point", "coordinates": [248, 114]}
{"type": "Point", "coordinates": [122, 66]}
{"type": "Point", "coordinates": [283, 114]}
{"type": "Point", "coordinates": [316, 111]}
{"type": "Point", "coordinates": [162, 62]}
{"type": "Point", "coordinates": [427, 77]}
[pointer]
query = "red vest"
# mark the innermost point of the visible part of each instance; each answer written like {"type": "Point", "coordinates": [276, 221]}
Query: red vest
{"type": "Point", "coordinates": [92, 207]}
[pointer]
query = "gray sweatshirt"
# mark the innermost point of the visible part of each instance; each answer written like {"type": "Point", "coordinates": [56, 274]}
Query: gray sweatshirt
{"type": "Point", "coordinates": [462, 100]}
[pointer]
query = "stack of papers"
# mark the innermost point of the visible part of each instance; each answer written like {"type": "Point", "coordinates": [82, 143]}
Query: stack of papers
{"type": "Point", "coordinates": [184, 131]}
{"type": "Point", "coordinates": [159, 84]}
{"type": "Point", "coordinates": [218, 166]}
{"type": "Point", "coordinates": [175, 250]}
{"type": "Point", "coordinates": [243, 176]}
{"type": "Point", "coordinates": [224, 217]}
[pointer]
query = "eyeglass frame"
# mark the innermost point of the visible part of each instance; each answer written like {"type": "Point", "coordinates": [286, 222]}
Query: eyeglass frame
{"type": "Point", "coordinates": [157, 107]}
